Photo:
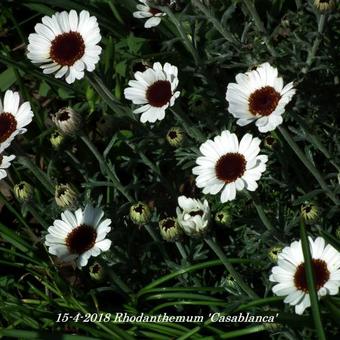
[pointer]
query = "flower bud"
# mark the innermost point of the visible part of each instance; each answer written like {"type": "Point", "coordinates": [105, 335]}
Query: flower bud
{"type": "Point", "coordinates": [231, 283]}
{"type": "Point", "coordinates": [56, 139]}
{"type": "Point", "coordinates": [97, 272]}
{"type": "Point", "coordinates": [223, 217]}
{"type": "Point", "coordinates": [337, 233]}
{"type": "Point", "coordinates": [67, 121]}
{"type": "Point", "coordinates": [309, 212]}
{"type": "Point", "coordinates": [272, 326]}
{"type": "Point", "coordinates": [269, 142]}
{"type": "Point", "coordinates": [324, 5]}
{"type": "Point", "coordinates": [175, 136]}
{"type": "Point", "coordinates": [65, 196]}
{"type": "Point", "coordinates": [170, 229]}
{"type": "Point", "coordinates": [23, 191]}
{"type": "Point", "coordinates": [140, 213]}
{"type": "Point", "coordinates": [274, 252]}
{"type": "Point", "coordinates": [193, 216]}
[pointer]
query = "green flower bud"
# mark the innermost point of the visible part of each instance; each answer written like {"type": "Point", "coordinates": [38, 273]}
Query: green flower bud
{"type": "Point", "coordinates": [23, 191]}
{"type": "Point", "coordinates": [65, 196]}
{"type": "Point", "coordinates": [140, 213]}
{"type": "Point", "coordinates": [67, 121]}
{"type": "Point", "coordinates": [272, 326]}
{"type": "Point", "coordinates": [337, 233]}
{"type": "Point", "coordinates": [223, 217]}
{"type": "Point", "coordinates": [309, 212]}
{"type": "Point", "coordinates": [97, 272]}
{"type": "Point", "coordinates": [274, 252]}
{"type": "Point", "coordinates": [170, 229]}
{"type": "Point", "coordinates": [231, 283]}
{"type": "Point", "coordinates": [175, 136]}
{"type": "Point", "coordinates": [269, 142]}
{"type": "Point", "coordinates": [324, 5]}
{"type": "Point", "coordinates": [56, 139]}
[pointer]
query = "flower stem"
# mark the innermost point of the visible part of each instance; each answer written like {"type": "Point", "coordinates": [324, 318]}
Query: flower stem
{"type": "Point", "coordinates": [260, 210]}
{"type": "Point", "coordinates": [157, 241]}
{"type": "Point", "coordinates": [37, 216]}
{"type": "Point", "coordinates": [181, 250]}
{"type": "Point", "coordinates": [188, 126]}
{"type": "Point", "coordinates": [188, 44]}
{"type": "Point", "coordinates": [37, 172]}
{"type": "Point", "coordinates": [220, 254]}
{"type": "Point", "coordinates": [116, 279]}
{"type": "Point", "coordinates": [259, 24]}
{"type": "Point", "coordinates": [106, 168]}
{"type": "Point", "coordinates": [316, 44]}
{"type": "Point", "coordinates": [307, 164]}
{"type": "Point", "coordinates": [310, 275]}
{"type": "Point", "coordinates": [216, 23]}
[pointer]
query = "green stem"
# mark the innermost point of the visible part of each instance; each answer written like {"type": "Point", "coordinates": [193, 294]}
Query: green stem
{"type": "Point", "coordinates": [307, 164]}
{"type": "Point", "coordinates": [316, 44]}
{"type": "Point", "coordinates": [157, 241]}
{"type": "Point", "coordinates": [298, 4]}
{"type": "Point", "coordinates": [188, 126]}
{"type": "Point", "coordinates": [259, 24]}
{"type": "Point", "coordinates": [220, 254]}
{"type": "Point", "coordinates": [216, 23]}
{"type": "Point", "coordinates": [106, 168]}
{"type": "Point", "coordinates": [260, 210]}
{"type": "Point", "coordinates": [181, 250]}
{"type": "Point", "coordinates": [117, 280]}
{"type": "Point", "coordinates": [37, 172]}
{"type": "Point", "coordinates": [310, 275]}
{"type": "Point", "coordinates": [188, 44]}
{"type": "Point", "coordinates": [37, 216]}
{"type": "Point", "coordinates": [240, 332]}
{"type": "Point", "coordinates": [106, 94]}
{"type": "Point", "coordinates": [189, 269]}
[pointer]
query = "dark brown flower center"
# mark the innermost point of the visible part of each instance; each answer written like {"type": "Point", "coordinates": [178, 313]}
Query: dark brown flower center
{"type": "Point", "coordinates": [1, 158]}
{"type": "Point", "coordinates": [169, 223]}
{"type": "Point", "coordinates": [81, 239]}
{"type": "Point", "coordinates": [96, 268]}
{"type": "Point", "coordinates": [172, 134]}
{"type": "Point", "coordinates": [230, 167]}
{"type": "Point", "coordinates": [321, 272]}
{"type": "Point", "coordinates": [61, 192]}
{"type": "Point", "coordinates": [264, 101]}
{"type": "Point", "coordinates": [63, 116]}
{"type": "Point", "coordinates": [67, 48]}
{"type": "Point", "coordinates": [159, 93]}
{"type": "Point", "coordinates": [139, 209]}
{"type": "Point", "coordinates": [155, 11]}
{"type": "Point", "coordinates": [197, 212]}
{"type": "Point", "coordinates": [8, 125]}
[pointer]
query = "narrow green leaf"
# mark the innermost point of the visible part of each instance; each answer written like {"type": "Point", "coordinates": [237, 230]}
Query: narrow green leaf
{"type": "Point", "coordinates": [17, 241]}
{"type": "Point", "coordinates": [331, 239]}
{"type": "Point", "coordinates": [311, 282]}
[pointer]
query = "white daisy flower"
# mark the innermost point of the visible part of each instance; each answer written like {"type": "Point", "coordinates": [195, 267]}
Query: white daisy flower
{"type": "Point", "coordinates": [259, 96]}
{"type": "Point", "coordinates": [5, 163]}
{"type": "Point", "coordinates": [79, 235]}
{"type": "Point", "coordinates": [154, 89]}
{"type": "Point", "coordinates": [229, 165]}
{"type": "Point", "coordinates": [13, 118]}
{"type": "Point", "coordinates": [66, 44]}
{"type": "Point", "coordinates": [146, 11]}
{"type": "Point", "coordinates": [290, 275]}
{"type": "Point", "coordinates": [193, 215]}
